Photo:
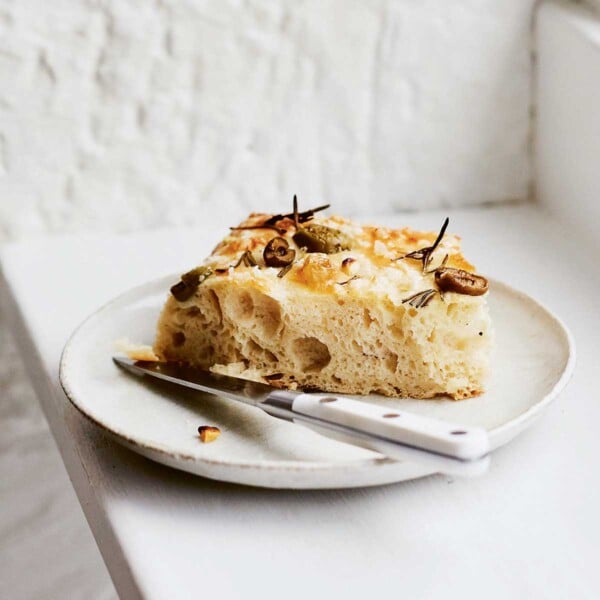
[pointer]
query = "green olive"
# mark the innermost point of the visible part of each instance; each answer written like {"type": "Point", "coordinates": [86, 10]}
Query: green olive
{"type": "Point", "coordinates": [319, 238]}
{"type": "Point", "coordinates": [189, 283]}
{"type": "Point", "coordinates": [460, 281]}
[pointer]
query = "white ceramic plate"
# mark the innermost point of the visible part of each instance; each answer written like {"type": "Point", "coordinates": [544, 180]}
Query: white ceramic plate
{"type": "Point", "coordinates": [534, 358]}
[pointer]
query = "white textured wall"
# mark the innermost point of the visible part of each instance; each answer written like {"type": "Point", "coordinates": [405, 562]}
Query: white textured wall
{"type": "Point", "coordinates": [129, 114]}
{"type": "Point", "coordinates": [567, 123]}
{"type": "Point", "coordinates": [124, 115]}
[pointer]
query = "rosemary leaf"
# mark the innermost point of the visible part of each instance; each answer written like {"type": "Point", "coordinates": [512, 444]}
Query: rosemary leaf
{"type": "Point", "coordinates": [264, 226]}
{"type": "Point", "coordinates": [285, 269]}
{"type": "Point", "coordinates": [420, 299]}
{"type": "Point", "coordinates": [303, 216]}
{"type": "Point", "coordinates": [354, 277]}
{"type": "Point", "coordinates": [245, 258]}
{"type": "Point", "coordinates": [426, 254]}
{"type": "Point", "coordinates": [442, 265]}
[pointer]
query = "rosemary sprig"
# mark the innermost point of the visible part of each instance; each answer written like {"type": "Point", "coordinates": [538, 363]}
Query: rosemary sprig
{"type": "Point", "coordinates": [420, 299]}
{"type": "Point", "coordinates": [284, 271]}
{"type": "Point", "coordinates": [442, 265]}
{"type": "Point", "coordinates": [245, 258]}
{"type": "Point", "coordinates": [296, 217]}
{"type": "Point", "coordinates": [425, 254]}
{"type": "Point", "coordinates": [353, 278]}
{"type": "Point", "coordinates": [299, 217]}
{"type": "Point", "coordinates": [277, 229]}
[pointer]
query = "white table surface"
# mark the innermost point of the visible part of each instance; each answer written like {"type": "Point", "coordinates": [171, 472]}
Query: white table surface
{"type": "Point", "coordinates": [528, 528]}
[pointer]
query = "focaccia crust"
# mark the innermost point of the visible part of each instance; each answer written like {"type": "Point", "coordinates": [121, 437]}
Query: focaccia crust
{"type": "Point", "coordinates": [340, 320]}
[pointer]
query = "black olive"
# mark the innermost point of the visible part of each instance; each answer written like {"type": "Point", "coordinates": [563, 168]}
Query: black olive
{"type": "Point", "coordinates": [277, 253]}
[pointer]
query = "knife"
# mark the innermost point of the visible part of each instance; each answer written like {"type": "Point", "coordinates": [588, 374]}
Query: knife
{"type": "Point", "coordinates": [445, 447]}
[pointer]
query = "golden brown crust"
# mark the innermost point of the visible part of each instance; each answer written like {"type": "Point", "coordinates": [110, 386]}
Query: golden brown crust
{"type": "Point", "coordinates": [380, 246]}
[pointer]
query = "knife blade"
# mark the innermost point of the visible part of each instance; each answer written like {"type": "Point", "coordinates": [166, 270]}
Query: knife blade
{"type": "Point", "coordinates": [400, 435]}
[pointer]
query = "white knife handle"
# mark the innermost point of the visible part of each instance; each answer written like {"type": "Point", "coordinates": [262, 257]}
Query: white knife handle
{"type": "Point", "coordinates": [464, 443]}
{"type": "Point", "coordinates": [387, 424]}
{"type": "Point", "coordinates": [432, 462]}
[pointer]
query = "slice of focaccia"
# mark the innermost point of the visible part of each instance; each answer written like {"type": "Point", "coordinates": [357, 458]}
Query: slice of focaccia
{"type": "Point", "coordinates": [321, 303]}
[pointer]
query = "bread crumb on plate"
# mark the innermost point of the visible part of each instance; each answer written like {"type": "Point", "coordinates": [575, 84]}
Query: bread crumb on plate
{"type": "Point", "coordinates": [135, 351]}
{"type": "Point", "coordinates": [208, 433]}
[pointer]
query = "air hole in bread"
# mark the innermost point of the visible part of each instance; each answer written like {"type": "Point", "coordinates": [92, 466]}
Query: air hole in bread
{"type": "Point", "coordinates": [193, 311]}
{"type": "Point", "coordinates": [213, 299]}
{"type": "Point", "coordinates": [267, 314]}
{"type": "Point", "coordinates": [396, 331]}
{"type": "Point", "coordinates": [270, 357]}
{"type": "Point", "coordinates": [367, 317]}
{"type": "Point", "coordinates": [251, 347]}
{"type": "Point", "coordinates": [391, 362]}
{"type": "Point", "coordinates": [178, 339]}
{"type": "Point", "coordinates": [258, 354]}
{"type": "Point", "coordinates": [311, 354]}
{"type": "Point", "coordinates": [240, 306]}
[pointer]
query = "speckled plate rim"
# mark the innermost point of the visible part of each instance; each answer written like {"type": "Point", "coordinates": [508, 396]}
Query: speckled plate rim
{"type": "Point", "coordinates": [389, 471]}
